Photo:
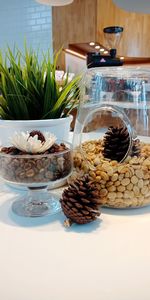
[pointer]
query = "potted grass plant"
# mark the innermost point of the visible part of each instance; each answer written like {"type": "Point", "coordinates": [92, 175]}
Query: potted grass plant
{"type": "Point", "coordinates": [30, 96]}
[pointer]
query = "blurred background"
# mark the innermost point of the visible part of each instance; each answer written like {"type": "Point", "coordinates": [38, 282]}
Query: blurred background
{"type": "Point", "coordinates": [77, 27]}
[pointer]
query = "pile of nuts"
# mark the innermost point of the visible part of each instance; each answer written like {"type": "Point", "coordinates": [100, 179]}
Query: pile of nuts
{"type": "Point", "coordinates": [120, 185]}
{"type": "Point", "coordinates": [21, 168]}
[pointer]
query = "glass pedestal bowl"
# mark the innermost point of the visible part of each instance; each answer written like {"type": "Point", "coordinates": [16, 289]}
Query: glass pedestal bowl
{"type": "Point", "coordinates": [37, 173]}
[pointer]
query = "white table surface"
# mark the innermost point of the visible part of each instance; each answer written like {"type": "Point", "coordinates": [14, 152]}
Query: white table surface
{"type": "Point", "coordinates": [108, 259]}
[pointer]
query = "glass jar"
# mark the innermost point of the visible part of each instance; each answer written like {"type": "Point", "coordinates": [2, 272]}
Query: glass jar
{"type": "Point", "coordinates": [111, 136]}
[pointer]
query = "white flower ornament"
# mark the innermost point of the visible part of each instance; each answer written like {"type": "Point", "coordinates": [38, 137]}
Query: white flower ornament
{"type": "Point", "coordinates": [25, 142]}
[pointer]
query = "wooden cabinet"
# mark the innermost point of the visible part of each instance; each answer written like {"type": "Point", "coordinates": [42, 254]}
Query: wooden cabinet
{"type": "Point", "coordinates": [74, 23]}
{"type": "Point", "coordinates": [84, 20]}
{"type": "Point", "coordinates": [135, 39]}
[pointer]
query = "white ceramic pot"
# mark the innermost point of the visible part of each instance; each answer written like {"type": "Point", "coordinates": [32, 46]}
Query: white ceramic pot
{"type": "Point", "coordinates": [60, 127]}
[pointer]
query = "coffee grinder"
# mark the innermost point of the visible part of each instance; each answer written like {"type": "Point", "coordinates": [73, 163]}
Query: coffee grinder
{"type": "Point", "coordinates": [112, 35]}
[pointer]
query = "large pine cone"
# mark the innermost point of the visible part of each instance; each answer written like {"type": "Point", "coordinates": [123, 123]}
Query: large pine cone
{"type": "Point", "coordinates": [80, 201]}
{"type": "Point", "coordinates": [116, 143]}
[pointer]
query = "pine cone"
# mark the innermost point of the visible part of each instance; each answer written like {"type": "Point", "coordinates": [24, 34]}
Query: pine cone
{"type": "Point", "coordinates": [136, 148]}
{"type": "Point", "coordinates": [116, 143]}
{"type": "Point", "coordinates": [80, 202]}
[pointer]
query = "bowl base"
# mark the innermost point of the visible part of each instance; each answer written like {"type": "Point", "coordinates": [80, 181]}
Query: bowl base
{"type": "Point", "coordinates": [49, 205]}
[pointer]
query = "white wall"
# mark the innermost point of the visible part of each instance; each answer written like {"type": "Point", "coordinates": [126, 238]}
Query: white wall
{"type": "Point", "coordinates": [20, 19]}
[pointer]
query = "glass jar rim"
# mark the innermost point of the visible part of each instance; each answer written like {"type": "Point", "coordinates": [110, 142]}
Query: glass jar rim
{"type": "Point", "coordinates": [39, 156]}
{"type": "Point", "coordinates": [122, 117]}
